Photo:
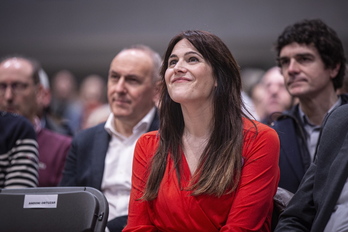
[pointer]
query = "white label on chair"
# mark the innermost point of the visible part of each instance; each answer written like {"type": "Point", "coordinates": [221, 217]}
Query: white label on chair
{"type": "Point", "coordinates": [40, 201]}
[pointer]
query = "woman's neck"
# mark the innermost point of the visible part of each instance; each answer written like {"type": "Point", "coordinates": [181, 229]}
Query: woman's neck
{"type": "Point", "coordinates": [197, 132]}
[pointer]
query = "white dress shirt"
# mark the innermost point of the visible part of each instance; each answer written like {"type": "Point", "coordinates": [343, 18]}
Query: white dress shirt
{"type": "Point", "coordinates": [116, 183]}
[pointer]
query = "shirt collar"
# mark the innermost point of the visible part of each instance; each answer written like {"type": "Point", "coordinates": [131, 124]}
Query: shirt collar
{"type": "Point", "coordinates": [37, 125]}
{"type": "Point", "coordinates": [143, 124]}
{"type": "Point", "coordinates": [304, 117]}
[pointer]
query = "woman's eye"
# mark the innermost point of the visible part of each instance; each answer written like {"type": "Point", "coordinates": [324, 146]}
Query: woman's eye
{"type": "Point", "coordinates": [172, 62]}
{"type": "Point", "coordinates": [193, 59]}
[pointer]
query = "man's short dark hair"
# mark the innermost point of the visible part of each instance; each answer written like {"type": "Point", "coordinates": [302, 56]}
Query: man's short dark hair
{"type": "Point", "coordinates": [315, 32]}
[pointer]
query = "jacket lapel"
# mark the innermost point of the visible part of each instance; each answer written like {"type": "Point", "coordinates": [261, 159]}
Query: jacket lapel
{"type": "Point", "coordinates": [290, 151]}
{"type": "Point", "coordinates": [155, 122]}
{"type": "Point", "coordinates": [101, 141]}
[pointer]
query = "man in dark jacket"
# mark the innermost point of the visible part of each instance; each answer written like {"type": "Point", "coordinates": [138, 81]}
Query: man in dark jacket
{"type": "Point", "coordinates": [320, 204]}
{"type": "Point", "coordinates": [101, 156]}
{"type": "Point", "coordinates": [312, 61]}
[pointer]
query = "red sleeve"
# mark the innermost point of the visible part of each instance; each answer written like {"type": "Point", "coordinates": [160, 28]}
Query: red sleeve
{"type": "Point", "coordinates": [253, 204]}
{"type": "Point", "coordinates": [138, 217]}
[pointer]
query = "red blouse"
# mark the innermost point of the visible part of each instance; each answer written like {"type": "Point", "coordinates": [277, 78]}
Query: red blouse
{"type": "Point", "coordinates": [249, 208]}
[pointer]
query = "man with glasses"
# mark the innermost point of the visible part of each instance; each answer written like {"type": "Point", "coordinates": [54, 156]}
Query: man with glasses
{"type": "Point", "coordinates": [20, 91]}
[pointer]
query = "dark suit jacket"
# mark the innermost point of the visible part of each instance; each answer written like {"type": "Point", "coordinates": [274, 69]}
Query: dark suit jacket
{"type": "Point", "coordinates": [85, 162]}
{"type": "Point", "coordinates": [294, 156]}
{"type": "Point", "coordinates": [294, 159]}
{"type": "Point", "coordinates": [312, 205]}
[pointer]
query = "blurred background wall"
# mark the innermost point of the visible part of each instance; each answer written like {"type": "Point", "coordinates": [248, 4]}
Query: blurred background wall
{"type": "Point", "coordinates": [84, 35]}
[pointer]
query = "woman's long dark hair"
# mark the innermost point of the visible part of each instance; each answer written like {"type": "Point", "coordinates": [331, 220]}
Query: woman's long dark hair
{"type": "Point", "coordinates": [220, 164]}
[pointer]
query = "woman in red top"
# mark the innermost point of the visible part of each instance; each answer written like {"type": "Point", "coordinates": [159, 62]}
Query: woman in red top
{"type": "Point", "coordinates": [209, 167]}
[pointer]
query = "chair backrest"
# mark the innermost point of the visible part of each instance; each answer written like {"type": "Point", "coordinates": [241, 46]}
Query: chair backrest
{"type": "Point", "coordinates": [53, 209]}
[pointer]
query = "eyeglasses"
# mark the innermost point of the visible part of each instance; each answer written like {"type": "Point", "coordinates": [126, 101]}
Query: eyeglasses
{"type": "Point", "coordinates": [16, 87]}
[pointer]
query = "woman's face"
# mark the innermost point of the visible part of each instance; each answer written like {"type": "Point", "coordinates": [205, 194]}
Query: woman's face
{"type": "Point", "coordinates": [189, 77]}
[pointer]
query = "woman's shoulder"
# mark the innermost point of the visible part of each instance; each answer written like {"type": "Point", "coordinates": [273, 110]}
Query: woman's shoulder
{"type": "Point", "coordinates": [260, 139]}
{"type": "Point", "coordinates": [149, 138]}
{"type": "Point", "coordinates": [150, 135]}
{"type": "Point", "coordinates": [147, 143]}
{"type": "Point", "coordinates": [255, 128]}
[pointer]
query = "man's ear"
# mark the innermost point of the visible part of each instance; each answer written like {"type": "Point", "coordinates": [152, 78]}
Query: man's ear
{"type": "Point", "coordinates": [334, 71]}
{"type": "Point", "coordinates": [40, 92]}
{"type": "Point", "coordinates": [156, 93]}
{"type": "Point", "coordinates": [46, 97]}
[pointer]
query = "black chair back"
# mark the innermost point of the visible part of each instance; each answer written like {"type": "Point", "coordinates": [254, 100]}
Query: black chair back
{"type": "Point", "coordinates": [53, 209]}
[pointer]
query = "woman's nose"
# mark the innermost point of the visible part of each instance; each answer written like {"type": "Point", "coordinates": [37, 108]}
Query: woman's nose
{"type": "Point", "coordinates": [179, 67]}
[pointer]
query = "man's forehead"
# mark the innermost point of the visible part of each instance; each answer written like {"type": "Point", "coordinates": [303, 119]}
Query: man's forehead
{"type": "Point", "coordinates": [295, 49]}
{"type": "Point", "coordinates": [133, 54]}
{"type": "Point", "coordinates": [16, 68]}
{"type": "Point", "coordinates": [132, 61]}
{"type": "Point", "coordinates": [16, 63]}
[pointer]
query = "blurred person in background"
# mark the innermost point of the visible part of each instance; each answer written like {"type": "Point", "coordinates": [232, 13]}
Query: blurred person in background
{"type": "Point", "coordinates": [344, 88]}
{"type": "Point", "coordinates": [98, 115]}
{"type": "Point", "coordinates": [276, 98]}
{"type": "Point", "coordinates": [92, 94]}
{"type": "Point", "coordinates": [23, 72]}
{"type": "Point", "coordinates": [251, 93]}
{"type": "Point", "coordinates": [44, 112]}
{"type": "Point", "coordinates": [64, 104]}
{"type": "Point", "coordinates": [258, 94]}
